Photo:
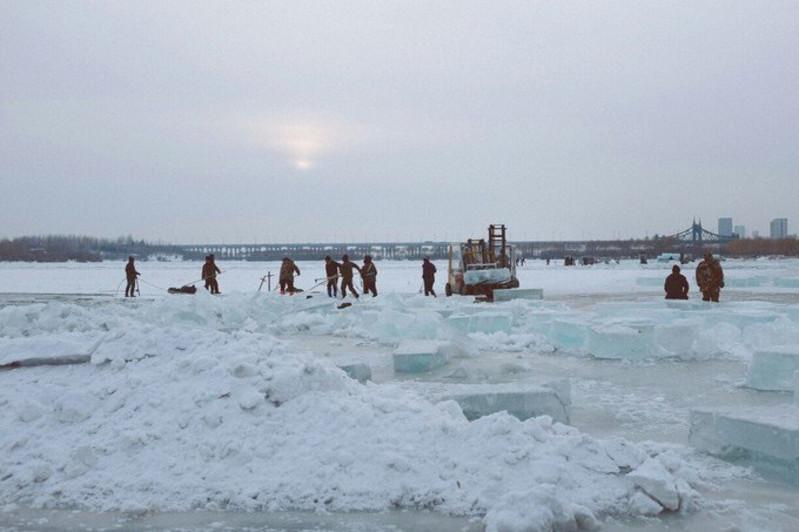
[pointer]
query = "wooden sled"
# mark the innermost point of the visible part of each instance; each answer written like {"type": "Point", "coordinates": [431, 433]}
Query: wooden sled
{"type": "Point", "coordinates": [182, 290]}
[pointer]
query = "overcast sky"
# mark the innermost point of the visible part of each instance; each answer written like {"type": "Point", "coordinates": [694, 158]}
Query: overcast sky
{"type": "Point", "coordinates": [295, 121]}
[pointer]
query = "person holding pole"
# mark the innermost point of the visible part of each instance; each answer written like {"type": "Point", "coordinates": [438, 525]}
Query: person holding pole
{"type": "Point", "coordinates": [346, 268]}
{"type": "Point", "coordinates": [210, 269]}
{"type": "Point", "coordinates": [287, 271]}
{"type": "Point", "coordinates": [331, 271]}
{"type": "Point", "coordinates": [428, 276]}
{"type": "Point", "coordinates": [130, 274]}
{"type": "Point", "coordinates": [369, 274]}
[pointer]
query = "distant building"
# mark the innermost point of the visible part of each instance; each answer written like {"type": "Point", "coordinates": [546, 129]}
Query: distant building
{"type": "Point", "coordinates": [740, 230]}
{"type": "Point", "coordinates": [779, 228]}
{"type": "Point", "coordinates": [725, 226]}
{"type": "Point", "coordinates": [755, 234]}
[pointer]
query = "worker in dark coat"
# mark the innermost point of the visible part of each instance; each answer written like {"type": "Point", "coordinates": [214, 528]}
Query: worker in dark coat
{"type": "Point", "coordinates": [710, 278]}
{"type": "Point", "coordinates": [205, 271]}
{"type": "Point", "coordinates": [130, 274]}
{"type": "Point", "coordinates": [428, 276]}
{"type": "Point", "coordinates": [346, 268]}
{"type": "Point", "coordinates": [369, 274]}
{"type": "Point", "coordinates": [287, 271]}
{"type": "Point", "coordinates": [331, 272]}
{"type": "Point", "coordinates": [210, 271]}
{"type": "Point", "coordinates": [676, 284]}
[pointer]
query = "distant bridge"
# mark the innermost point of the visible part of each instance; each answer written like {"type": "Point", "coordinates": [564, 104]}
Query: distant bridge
{"type": "Point", "coordinates": [697, 235]}
{"type": "Point", "coordinates": [317, 251]}
{"type": "Point", "coordinates": [691, 240]}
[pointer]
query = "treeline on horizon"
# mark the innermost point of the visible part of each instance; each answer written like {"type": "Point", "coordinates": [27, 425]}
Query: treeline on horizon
{"type": "Point", "coordinates": [757, 247]}
{"type": "Point", "coordinates": [59, 248]}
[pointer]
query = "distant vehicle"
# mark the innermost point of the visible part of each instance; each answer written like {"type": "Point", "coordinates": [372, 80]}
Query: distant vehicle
{"type": "Point", "coordinates": [477, 267]}
{"type": "Point", "coordinates": [668, 257]}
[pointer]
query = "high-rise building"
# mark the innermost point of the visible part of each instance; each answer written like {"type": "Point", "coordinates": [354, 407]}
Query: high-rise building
{"type": "Point", "coordinates": [779, 228]}
{"type": "Point", "coordinates": [740, 230]}
{"type": "Point", "coordinates": [725, 226]}
{"type": "Point", "coordinates": [755, 234]}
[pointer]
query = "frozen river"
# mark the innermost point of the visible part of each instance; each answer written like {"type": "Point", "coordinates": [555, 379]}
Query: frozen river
{"type": "Point", "coordinates": [57, 309]}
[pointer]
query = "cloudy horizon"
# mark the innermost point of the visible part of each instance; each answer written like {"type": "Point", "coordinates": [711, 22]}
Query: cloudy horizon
{"type": "Point", "coordinates": [250, 122]}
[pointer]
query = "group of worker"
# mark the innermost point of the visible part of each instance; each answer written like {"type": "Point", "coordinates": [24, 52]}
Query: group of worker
{"type": "Point", "coordinates": [209, 273]}
{"type": "Point", "coordinates": [346, 270]}
{"type": "Point", "coordinates": [288, 269]}
{"type": "Point", "coordinates": [709, 279]}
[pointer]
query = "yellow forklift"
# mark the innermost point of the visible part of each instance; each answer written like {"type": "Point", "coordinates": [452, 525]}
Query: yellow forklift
{"type": "Point", "coordinates": [477, 267]}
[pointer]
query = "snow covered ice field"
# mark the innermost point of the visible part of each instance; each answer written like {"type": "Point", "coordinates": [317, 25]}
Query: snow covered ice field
{"type": "Point", "coordinates": [232, 411]}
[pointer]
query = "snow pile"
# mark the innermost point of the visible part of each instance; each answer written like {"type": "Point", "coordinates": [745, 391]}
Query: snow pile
{"type": "Point", "coordinates": [192, 403]}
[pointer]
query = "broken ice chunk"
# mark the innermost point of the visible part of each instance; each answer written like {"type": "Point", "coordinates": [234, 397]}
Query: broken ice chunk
{"type": "Point", "coordinates": [677, 339]}
{"type": "Point", "coordinates": [795, 387]}
{"type": "Point", "coordinates": [766, 438]}
{"type": "Point", "coordinates": [360, 372]}
{"type": "Point", "coordinates": [743, 282]}
{"type": "Point", "coordinates": [616, 341]}
{"type": "Point", "coordinates": [484, 322]}
{"type": "Point", "coordinates": [773, 369]}
{"type": "Point", "coordinates": [566, 334]}
{"type": "Point", "coordinates": [786, 282]}
{"type": "Point", "coordinates": [518, 293]}
{"type": "Point", "coordinates": [418, 356]}
{"type": "Point", "coordinates": [653, 479]}
{"type": "Point", "coordinates": [520, 401]}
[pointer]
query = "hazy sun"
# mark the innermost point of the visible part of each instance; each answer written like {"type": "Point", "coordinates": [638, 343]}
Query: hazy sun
{"type": "Point", "coordinates": [302, 140]}
{"type": "Point", "coordinates": [303, 164]}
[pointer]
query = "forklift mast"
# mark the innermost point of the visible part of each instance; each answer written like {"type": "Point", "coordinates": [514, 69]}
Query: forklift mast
{"type": "Point", "coordinates": [478, 255]}
{"type": "Point", "coordinates": [497, 244]}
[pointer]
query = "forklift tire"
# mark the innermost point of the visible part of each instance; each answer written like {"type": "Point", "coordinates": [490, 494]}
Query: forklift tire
{"type": "Point", "coordinates": [448, 289]}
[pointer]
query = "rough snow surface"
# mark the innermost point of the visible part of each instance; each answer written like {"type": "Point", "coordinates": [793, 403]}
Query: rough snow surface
{"type": "Point", "coordinates": [183, 407]}
{"type": "Point", "coordinates": [202, 402]}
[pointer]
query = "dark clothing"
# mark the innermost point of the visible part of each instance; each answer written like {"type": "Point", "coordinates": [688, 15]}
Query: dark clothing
{"type": "Point", "coordinates": [332, 286]}
{"type": "Point", "coordinates": [429, 277]}
{"type": "Point", "coordinates": [130, 271]}
{"type": "Point", "coordinates": [331, 268]}
{"type": "Point", "coordinates": [287, 271]}
{"type": "Point", "coordinates": [130, 274]}
{"type": "Point", "coordinates": [370, 285]}
{"type": "Point", "coordinates": [428, 287]}
{"type": "Point", "coordinates": [130, 288]}
{"type": "Point", "coordinates": [428, 270]}
{"type": "Point", "coordinates": [346, 268]}
{"type": "Point", "coordinates": [331, 271]}
{"type": "Point", "coordinates": [710, 279]}
{"type": "Point", "coordinates": [287, 285]}
{"type": "Point", "coordinates": [347, 283]}
{"type": "Point", "coordinates": [210, 269]}
{"type": "Point", "coordinates": [676, 286]}
{"type": "Point", "coordinates": [369, 274]}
